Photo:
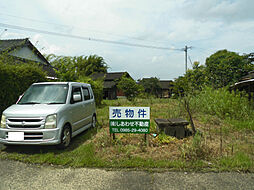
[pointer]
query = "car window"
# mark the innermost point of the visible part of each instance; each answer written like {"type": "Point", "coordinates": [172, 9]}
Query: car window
{"type": "Point", "coordinates": [45, 94]}
{"type": "Point", "coordinates": [86, 93]}
{"type": "Point", "coordinates": [91, 93]}
{"type": "Point", "coordinates": [76, 91]}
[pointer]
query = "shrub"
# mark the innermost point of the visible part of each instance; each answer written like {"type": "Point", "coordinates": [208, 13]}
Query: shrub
{"type": "Point", "coordinates": [223, 103]}
{"type": "Point", "coordinates": [232, 107]}
{"type": "Point", "coordinates": [97, 86]}
{"type": "Point", "coordinates": [15, 79]}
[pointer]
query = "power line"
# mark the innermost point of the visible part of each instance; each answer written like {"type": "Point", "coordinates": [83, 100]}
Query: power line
{"type": "Point", "coordinates": [190, 60]}
{"type": "Point", "coordinates": [33, 20]}
{"type": "Point", "coordinates": [86, 38]}
{"type": "Point", "coordinates": [68, 26]}
{"type": "Point", "coordinates": [3, 32]}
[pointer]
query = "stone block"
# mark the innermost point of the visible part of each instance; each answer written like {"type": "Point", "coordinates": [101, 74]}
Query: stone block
{"type": "Point", "coordinates": [173, 127]}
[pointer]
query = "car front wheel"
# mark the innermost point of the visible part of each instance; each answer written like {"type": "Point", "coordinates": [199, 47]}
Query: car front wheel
{"type": "Point", "coordinates": [94, 121]}
{"type": "Point", "coordinates": [65, 137]}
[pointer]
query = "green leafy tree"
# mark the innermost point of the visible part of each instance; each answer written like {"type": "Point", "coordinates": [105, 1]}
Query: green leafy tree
{"type": "Point", "coordinates": [181, 85]}
{"type": "Point", "coordinates": [194, 78]}
{"type": "Point", "coordinates": [72, 68]}
{"type": "Point", "coordinates": [225, 68]}
{"type": "Point", "coordinates": [197, 76]}
{"type": "Point", "coordinates": [129, 87]}
{"type": "Point", "coordinates": [151, 86]}
{"type": "Point", "coordinates": [65, 67]}
{"type": "Point", "coordinates": [90, 64]}
{"type": "Point", "coordinates": [97, 86]}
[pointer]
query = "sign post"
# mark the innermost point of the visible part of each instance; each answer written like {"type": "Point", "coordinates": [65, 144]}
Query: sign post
{"type": "Point", "coordinates": [129, 120]}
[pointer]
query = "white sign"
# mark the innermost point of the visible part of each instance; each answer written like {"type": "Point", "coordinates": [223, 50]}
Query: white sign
{"type": "Point", "coordinates": [131, 113]}
{"type": "Point", "coordinates": [129, 120]}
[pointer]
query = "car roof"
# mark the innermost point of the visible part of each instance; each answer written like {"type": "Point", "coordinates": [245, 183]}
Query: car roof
{"type": "Point", "coordinates": [69, 83]}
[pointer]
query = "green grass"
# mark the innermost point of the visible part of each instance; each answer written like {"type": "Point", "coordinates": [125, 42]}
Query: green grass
{"type": "Point", "coordinates": [78, 154]}
{"type": "Point", "coordinates": [240, 161]}
{"type": "Point", "coordinates": [95, 148]}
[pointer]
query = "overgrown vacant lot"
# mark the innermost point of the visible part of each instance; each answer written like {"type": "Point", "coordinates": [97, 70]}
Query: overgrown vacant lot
{"type": "Point", "coordinates": [225, 140]}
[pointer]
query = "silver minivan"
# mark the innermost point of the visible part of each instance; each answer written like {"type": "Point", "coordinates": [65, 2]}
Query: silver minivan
{"type": "Point", "coordinates": [49, 113]}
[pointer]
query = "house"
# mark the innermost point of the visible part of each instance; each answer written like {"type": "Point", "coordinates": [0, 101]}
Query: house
{"type": "Point", "coordinates": [248, 77]}
{"type": "Point", "coordinates": [246, 83]}
{"type": "Point", "coordinates": [166, 88]}
{"type": "Point", "coordinates": [110, 90]}
{"type": "Point", "coordinates": [156, 87]}
{"type": "Point", "coordinates": [23, 51]}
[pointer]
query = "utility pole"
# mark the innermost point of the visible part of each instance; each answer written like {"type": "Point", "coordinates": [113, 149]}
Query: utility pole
{"type": "Point", "coordinates": [186, 51]}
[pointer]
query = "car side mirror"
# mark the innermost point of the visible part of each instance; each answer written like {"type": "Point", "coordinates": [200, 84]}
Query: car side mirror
{"type": "Point", "coordinates": [76, 97]}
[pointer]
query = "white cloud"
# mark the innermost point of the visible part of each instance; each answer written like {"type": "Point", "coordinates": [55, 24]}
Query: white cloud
{"type": "Point", "coordinates": [12, 35]}
{"type": "Point", "coordinates": [227, 10]}
{"type": "Point", "coordinates": [44, 46]}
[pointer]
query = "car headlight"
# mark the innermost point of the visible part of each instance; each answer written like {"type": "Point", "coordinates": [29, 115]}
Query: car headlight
{"type": "Point", "coordinates": [50, 122]}
{"type": "Point", "coordinates": [3, 121]}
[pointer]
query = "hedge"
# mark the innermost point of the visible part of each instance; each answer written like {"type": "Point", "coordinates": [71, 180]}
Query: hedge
{"type": "Point", "coordinates": [15, 79]}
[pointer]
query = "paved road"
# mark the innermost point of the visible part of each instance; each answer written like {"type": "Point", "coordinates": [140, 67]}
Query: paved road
{"type": "Point", "coordinates": [17, 175]}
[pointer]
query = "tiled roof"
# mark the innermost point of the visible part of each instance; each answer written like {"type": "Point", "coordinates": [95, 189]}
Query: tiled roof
{"type": "Point", "coordinates": [96, 76]}
{"type": "Point", "coordinates": [114, 75]}
{"type": "Point", "coordinates": [8, 45]}
{"type": "Point", "coordinates": [109, 76]}
{"type": "Point", "coordinates": [11, 44]}
{"type": "Point", "coordinates": [166, 84]}
{"type": "Point", "coordinates": [249, 76]}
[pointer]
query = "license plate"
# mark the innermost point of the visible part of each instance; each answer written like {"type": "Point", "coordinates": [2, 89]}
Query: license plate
{"type": "Point", "coordinates": [16, 136]}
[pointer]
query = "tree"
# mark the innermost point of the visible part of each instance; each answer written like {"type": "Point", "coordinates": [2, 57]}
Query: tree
{"type": "Point", "coordinates": [129, 87]}
{"type": "Point", "coordinates": [90, 64]}
{"type": "Point", "coordinates": [151, 86]}
{"type": "Point", "coordinates": [72, 68]}
{"type": "Point", "coordinates": [181, 85]}
{"type": "Point", "coordinates": [225, 68]}
{"type": "Point", "coordinates": [196, 77]}
{"type": "Point", "coordinates": [97, 86]}
{"type": "Point", "coordinates": [221, 69]}
{"type": "Point", "coordinates": [64, 67]}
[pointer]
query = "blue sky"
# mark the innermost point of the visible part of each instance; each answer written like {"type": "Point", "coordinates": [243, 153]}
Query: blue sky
{"type": "Point", "coordinates": [207, 25]}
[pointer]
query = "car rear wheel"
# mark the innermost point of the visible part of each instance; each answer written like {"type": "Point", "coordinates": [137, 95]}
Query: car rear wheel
{"type": "Point", "coordinates": [65, 137]}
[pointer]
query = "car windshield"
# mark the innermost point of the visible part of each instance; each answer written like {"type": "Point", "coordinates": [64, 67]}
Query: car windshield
{"type": "Point", "coordinates": [45, 94]}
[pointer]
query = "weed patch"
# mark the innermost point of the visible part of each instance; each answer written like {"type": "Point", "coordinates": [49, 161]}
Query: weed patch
{"type": "Point", "coordinates": [196, 149]}
{"type": "Point", "coordinates": [223, 104]}
{"type": "Point", "coordinates": [222, 144]}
